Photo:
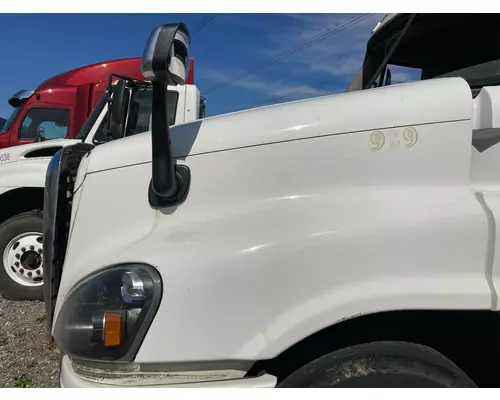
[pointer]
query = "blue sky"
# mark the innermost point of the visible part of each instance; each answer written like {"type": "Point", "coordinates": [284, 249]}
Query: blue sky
{"type": "Point", "coordinates": [38, 46]}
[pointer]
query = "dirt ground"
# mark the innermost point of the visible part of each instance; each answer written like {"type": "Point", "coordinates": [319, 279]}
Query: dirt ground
{"type": "Point", "coordinates": [27, 359]}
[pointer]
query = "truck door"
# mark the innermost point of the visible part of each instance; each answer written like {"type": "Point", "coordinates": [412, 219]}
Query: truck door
{"type": "Point", "coordinates": [42, 123]}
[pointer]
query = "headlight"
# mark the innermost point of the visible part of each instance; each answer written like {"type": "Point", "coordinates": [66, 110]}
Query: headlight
{"type": "Point", "coordinates": [106, 316]}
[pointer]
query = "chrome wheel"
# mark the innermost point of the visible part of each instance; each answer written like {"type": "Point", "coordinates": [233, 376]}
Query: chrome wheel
{"type": "Point", "coordinates": [23, 259]}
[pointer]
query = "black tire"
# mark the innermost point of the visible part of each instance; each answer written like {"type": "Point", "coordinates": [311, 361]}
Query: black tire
{"type": "Point", "coordinates": [380, 365]}
{"type": "Point", "coordinates": [27, 222]}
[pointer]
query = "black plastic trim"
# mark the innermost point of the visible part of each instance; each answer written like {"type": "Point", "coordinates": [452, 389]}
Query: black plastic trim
{"type": "Point", "coordinates": [483, 139]}
{"type": "Point", "coordinates": [43, 152]}
{"type": "Point", "coordinates": [183, 177]}
{"type": "Point", "coordinates": [59, 184]}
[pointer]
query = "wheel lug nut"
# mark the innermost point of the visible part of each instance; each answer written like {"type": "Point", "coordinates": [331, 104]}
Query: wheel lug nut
{"type": "Point", "coordinates": [38, 272]}
{"type": "Point", "coordinates": [23, 249]}
{"type": "Point", "coordinates": [18, 255]}
{"type": "Point", "coordinates": [16, 263]}
{"type": "Point", "coordinates": [21, 271]}
{"type": "Point", "coordinates": [40, 251]}
{"type": "Point", "coordinates": [29, 274]}
{"type": "Point", "coordinates": [32, 247]}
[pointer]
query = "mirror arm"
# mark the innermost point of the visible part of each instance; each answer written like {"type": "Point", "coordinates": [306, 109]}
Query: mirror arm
{"type": "Point", "coordinates": [170, 182]}
{"type": "Point", "coordinates": [164, 181]}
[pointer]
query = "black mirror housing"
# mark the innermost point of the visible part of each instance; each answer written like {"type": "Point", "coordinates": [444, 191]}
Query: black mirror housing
{"type": "Point", "coordinates": [118, 99]}
{"type": "Point", "coordinates": [166, 55]}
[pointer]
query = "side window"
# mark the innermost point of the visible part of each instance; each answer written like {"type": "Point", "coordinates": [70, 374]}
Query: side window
{"type": "Point", "coordinates": [51, 123]}
{"type": "Point", "coordinates": [139, 112]}
{"type": "Point", "coordinates": [141, 109]}
{"type": "Point", "coordinates": [404, 74]}
{"type": "Point", "coordinates": [399, 74]}
{"type": "Point", "coordinates": [139, 115]}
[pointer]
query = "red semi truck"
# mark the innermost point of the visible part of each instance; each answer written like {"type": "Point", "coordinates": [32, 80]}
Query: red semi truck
{"type": "Point", "coordinates": [60, 105]}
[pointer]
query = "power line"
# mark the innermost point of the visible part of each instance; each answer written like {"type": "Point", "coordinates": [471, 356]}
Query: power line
{"type": "Point", "coordinates": [294, 49]}
{"type": "Point", "coordinates": [202, 23]}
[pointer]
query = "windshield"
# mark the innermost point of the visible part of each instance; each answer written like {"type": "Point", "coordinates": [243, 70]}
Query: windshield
{"type": "Point", "coordinates": [436, 45]}
{"type": "Point", "coordinates": [89, 123]}
{"type": "Point", "coordinates": [9, 121]}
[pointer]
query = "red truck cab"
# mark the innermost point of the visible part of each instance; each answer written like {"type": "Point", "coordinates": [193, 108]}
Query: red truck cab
{"type": "Point", "coordinates": [60, 105]}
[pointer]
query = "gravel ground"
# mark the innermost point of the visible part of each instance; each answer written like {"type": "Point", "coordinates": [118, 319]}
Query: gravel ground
{"type": "Point", "coordinates": [26, 358]}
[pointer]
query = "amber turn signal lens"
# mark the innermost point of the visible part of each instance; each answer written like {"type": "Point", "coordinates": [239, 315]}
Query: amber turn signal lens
{"type": "Point", "coordinates": [112, 329]}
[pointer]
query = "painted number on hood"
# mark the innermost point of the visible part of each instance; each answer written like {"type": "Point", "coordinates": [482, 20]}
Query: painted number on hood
{"type": "Point", "coordinates": [4, 157]}
{"type": "Point", "coordinates": [393, 138]}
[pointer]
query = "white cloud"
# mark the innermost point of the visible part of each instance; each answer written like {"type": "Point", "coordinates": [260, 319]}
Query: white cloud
{"type": "Point", "coordinates": [278, 88]}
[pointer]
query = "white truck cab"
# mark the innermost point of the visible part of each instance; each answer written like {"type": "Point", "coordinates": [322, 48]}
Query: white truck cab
{"type": "Point", "coordinates": [23, 168]}
{"type": "Point", "coordinates": [348, 240]}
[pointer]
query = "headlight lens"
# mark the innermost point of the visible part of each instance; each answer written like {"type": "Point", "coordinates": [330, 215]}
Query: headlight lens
{"type": "Point", "coordinates": [106, 316]}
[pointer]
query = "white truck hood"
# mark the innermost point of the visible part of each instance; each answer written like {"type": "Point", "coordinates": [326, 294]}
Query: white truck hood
{"type": "Point", "coordinates": [44, 149]}
{"type": "Point", "coordinates": [416, 103]}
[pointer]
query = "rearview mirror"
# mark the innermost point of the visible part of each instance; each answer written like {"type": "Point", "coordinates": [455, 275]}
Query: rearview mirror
{"type": "Point", "coordinates": [165, 62]}
{"type": "Point", "coordinates": [166, 56]}
{"type": "Point", "coordinates": [40, 134]}
{"type": "Point", "coordinates": [118, 100]}
{"type": "Point", "coordinates": [118, 110]}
